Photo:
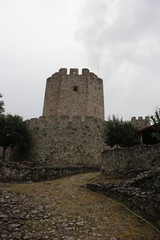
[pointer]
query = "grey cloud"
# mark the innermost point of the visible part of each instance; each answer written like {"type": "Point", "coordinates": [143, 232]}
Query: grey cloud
{"type": "Point", "coordinates": [117, 39]}
{"type": "Point", "coordinates": [122, 38]}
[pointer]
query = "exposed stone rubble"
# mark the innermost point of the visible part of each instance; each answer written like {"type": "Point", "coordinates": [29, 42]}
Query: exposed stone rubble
{"type": "Point", "coordinates": [19, 172]}
{"type": "Point", "coordinates": [16, 212]}
{"type": "Point", "coordinates": [62, 209]}
{"type": "Point", "coordinates": [141, 193]}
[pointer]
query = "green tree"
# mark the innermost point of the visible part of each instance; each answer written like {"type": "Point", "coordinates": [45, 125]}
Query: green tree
{"type": "Point", "coordinates": [119, 132]}
{"type": "Point", "coordinates": [129, 135]}
{"type": "Point", "coordinates": [13, 132]}
{"type": "Point", "coordinates": [156, 121]}
{"type": "Point", "coordinates": [1, 104]}
{"type": "Point", "coordinates": [112, 132]}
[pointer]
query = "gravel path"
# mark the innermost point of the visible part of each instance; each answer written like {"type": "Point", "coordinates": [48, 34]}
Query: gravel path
{"type": "Point", "coordinates": [63, 209]}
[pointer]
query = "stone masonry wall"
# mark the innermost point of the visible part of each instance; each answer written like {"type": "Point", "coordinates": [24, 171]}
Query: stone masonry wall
{"type": "Point", "coordinates": [74, 94]}
{"type": "Point", "coordinates": [141, 122]}
{"type": "Point", "coordinates": [138, 158]}
{"type": "Point", "coordinates": [60, 142]}
{"type": "Point", "coordinates": [19, 172]}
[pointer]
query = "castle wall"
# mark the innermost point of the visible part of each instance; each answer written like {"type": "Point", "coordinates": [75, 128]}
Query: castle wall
{"type": "Point", "coordinates": [11, 171]}
{"type": "Point", "coordinates": [95, 96]}
{"type": "Point", "coordinates": [140, 122]}
{"type": "Point", "coordinates": [61, 142]}
{"type": "Point", "coordinates": [70, 131]}
{"type": "Point", "coordinates": [74, 95]}
{"type": "Point", "coordinates": [138, 158]}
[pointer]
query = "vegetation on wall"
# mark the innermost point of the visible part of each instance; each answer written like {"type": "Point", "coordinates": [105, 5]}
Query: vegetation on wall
{"type": "Point", "coordinates": [120, 133]}
{"type": "Point", "coordinates": [156, 121]}
{"type": "Point", "coordinates": [1, 105]}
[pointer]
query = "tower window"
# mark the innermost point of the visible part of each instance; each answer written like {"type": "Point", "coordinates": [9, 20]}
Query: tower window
{"type": "Point", "coordinates": [75, 88]}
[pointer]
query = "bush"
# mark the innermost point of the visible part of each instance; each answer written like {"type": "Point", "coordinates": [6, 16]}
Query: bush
{"type": "Point", "coordinates": [119, 132]}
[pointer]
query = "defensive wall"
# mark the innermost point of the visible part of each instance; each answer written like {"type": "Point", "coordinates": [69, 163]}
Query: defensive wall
{"type": "Point", "coordinates": [61, 141]}
{"type": "Point", "coordinates": [70, 131]}
{"type": "Point", "coordinates": [138, 158]}
{"type": "Point", "coordinates": [21, 172]}
{"type": "Point", "coordinates": [140, 122]}
{"type": "Point", "coordinates": [74, 94]}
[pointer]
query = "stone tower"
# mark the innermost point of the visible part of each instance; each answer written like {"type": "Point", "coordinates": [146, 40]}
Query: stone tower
{"type": "Point", "coordinates": [74, 94]}
{"type": "Point", "coordinates": [141, 122]}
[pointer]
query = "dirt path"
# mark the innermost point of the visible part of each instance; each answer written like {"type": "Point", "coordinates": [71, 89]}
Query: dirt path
{"type": "Point", "coordinates": [63, 209]}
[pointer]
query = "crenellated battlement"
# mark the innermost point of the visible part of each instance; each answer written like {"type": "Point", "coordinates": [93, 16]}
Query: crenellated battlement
{"type": "Point", "coordinates": [74, 72]}
{"type": "Point", "coordinates": [71, 93]}
{"type": "Point", "coordinates": [70, 130]}
{"type": "Point", "coordinates": [64, 121]}
{"type": "Point", "coordinates": [141, 122]}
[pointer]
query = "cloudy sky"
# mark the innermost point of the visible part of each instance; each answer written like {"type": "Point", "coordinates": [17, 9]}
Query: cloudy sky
{"type": "Point", "coordinates": [119, 40]}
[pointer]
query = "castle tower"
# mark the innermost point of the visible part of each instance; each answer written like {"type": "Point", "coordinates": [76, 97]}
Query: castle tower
{"type": "Point", "coordinates": [74, 95]}
{"type": "Point", "coordinates": [141, 122]}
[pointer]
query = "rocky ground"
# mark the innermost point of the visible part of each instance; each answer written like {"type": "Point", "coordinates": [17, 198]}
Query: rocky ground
{"type": "Point", "coordinates": [64, 209]}
{"type": "Point", "coordinates": [141, 193]}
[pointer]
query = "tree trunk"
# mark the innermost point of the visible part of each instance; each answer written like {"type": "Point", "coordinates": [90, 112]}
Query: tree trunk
{"type": "Point", "coordinates": [4, 153]}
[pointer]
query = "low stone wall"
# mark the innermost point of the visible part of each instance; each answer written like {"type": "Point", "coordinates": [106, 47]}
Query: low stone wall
{"type": "Point", "coordinates": [131, 159]}
{"type": "Point", "coordinates": [14, 172]}
{"type": "Point", "coordinates": [141, 193]}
